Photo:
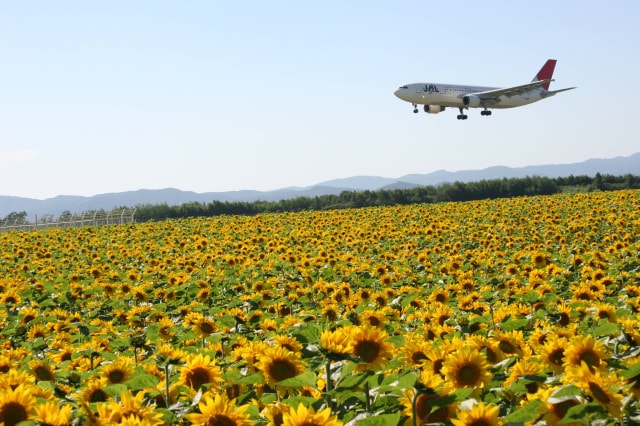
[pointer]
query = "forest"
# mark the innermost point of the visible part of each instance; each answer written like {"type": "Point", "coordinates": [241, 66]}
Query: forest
{"type": "Point", "coordinates": [456, 191]}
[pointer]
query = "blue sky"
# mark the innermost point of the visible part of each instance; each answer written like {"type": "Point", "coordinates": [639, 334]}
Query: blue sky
{"type": "Point", "coordinates": [112, 96]}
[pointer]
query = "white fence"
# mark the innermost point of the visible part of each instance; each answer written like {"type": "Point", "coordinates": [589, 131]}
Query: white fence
{"type": "Point", "coordinates": [96, 218]}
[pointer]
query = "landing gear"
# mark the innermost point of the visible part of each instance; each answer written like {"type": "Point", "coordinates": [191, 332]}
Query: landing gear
{"type": "Point", "coordinates": [415, 108]}
{"type": "Point", "coordinates": [485, 112]}
{"type": "Point", "coordinates": [462, 115]}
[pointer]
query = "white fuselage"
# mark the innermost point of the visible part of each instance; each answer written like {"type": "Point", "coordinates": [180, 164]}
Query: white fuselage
{"type": "Point", "coordinates": [451, 95]}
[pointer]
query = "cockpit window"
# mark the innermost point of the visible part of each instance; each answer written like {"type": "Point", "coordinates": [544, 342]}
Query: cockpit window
{"type": "Point", "coordinates": [403, 87]}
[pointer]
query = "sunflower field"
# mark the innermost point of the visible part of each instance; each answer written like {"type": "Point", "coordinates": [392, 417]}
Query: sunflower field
{"type": "Point", "coordinates": [515, 311]}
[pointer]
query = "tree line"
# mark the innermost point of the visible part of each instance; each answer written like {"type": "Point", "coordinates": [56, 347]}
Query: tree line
{"type": "Point", "coordinates": [456, 191]}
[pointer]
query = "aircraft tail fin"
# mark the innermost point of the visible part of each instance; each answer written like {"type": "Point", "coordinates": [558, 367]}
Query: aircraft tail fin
{"type": "Point", "coordinates": [546, 72]}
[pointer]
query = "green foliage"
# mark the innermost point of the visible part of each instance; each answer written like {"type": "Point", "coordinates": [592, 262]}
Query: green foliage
{"type": "Point", "coordinates": [457, 191]}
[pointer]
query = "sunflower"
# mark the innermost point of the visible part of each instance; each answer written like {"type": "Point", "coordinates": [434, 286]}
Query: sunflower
{"type": "Point", "coordinates": [439, 295]}
{"type": "Point", "coordinates": [557, 408]}
{"type": "Point", "coordinates": [200, 370]}
{"type": "Point", "coordinates": [435, 359]}
{"type": "Point", "coordinates": [585, 349]}
{"type": "Point", "coordinates": [16, 405]}
{"type": "Point", "coordinates": [130, 409]}
{"type": "Point", "coordinates": [204, 326]}
{"type": "Point", "coordinates": [466, 368]}
{"type": "Point", "coordinates": [371, 347]}
{"type": "Point", "coordinates": [165, 326]}
{"type": "Point", "coordinates": [597, 386]}
{"type": "Point", "coordinates": [523, 368]}
{"type": "Point", "coordinates": [52, 414]}
{"type": "Point", "coordinates": [489, 346]}
{"type": "Point", "coordinates": [433, 386]}
{"type": "Point", "coordinates": [28, 314]}
{"type": "Point", "coordinates": [93, 392]}
{"type": "Point", "coordinates": [552, 352]}
{"type": "Point", "coordinates": [335, 343]}
{"type": "Point", "coordinates": [480, 414]}
{"type": "Point", "coordinates": [6, 364]}
{"type": "Point", "coordinates": [10, 298]}
{"type": "Point", "coordinates": [170, 354]}
{"type": "Point", "coordinates": [606, 311]}
{"type": "Point", "coordinates": [62, 353]}
{"type": "Point", "coordinates": [37, 330]}
{"type": "Point", "coordinates": [14, 378]}
{"type": "Point", "coordinates": [275, 413]}
{"type": "Point", "coordinates": [218, 410]}
{"type": "Point", "coordinates": [117, 372]}
{"type": "Point", "coordinates": [414, 351]}
{"type": "Point", "coordinates": [278, 363]}
{"type": "Point", "coordinates": [307, 416]}
{"type": "Point", "coordinates": [287, 342]}
{"type": "Point", "coordinates": [511, 343]}
{"type": "Point", "coordinates": [42, 371]}
{"type": "Point", "coordinates": [539, 259]}
{"type": "Point", "coordinates": [373, 318]}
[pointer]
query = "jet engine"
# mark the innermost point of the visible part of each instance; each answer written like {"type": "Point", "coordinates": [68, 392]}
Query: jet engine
{"type": "Point", "coordinates": [433, 109]}
{"type": "Point", "coordinates": [471, 101]}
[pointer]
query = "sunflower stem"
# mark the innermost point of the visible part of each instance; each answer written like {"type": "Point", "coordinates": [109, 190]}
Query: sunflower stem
{"type": "Point", "coordinates": [166, 385]}
{"type": "Point", "coordinates": [328, 373]}
{"type": "Point", "coordinates": [367, 399]}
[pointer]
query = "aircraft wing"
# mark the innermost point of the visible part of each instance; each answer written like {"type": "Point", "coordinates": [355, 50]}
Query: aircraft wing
{"type": "Point", "coordinates": [493, 96]}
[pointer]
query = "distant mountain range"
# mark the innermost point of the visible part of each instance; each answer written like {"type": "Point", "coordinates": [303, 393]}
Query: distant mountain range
{"type": "Point", "coordinates": [78, 204]}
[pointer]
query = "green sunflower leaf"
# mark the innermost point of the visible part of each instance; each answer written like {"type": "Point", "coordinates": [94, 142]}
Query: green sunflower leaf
{"type": "Point", "coordinates": [511, 325]}
{"type": "Point", "coordinates": [631, 372]}
{"type": "Point", "coordinates": [142, 381]}
{"type": "Point", "coordinates": [308, 378]}
{"type": "Point", "coordinates": [527, 413]}
{"type": "Point", "coordinates": [607, 329]}
{"type": "Point", "coordinates": [380, 420]}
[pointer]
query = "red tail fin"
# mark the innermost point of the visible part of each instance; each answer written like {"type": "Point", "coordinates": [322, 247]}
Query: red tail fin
{"type": "Point", "coordinates": [546, 72]}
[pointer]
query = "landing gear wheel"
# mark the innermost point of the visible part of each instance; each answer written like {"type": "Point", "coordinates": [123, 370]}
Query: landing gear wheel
{"type": "Point", "coordinates": [485, 112]}
{"type": "Point", "coordinates": [462, 117]}
{"type": "Point", "coordinates": [415, 110]}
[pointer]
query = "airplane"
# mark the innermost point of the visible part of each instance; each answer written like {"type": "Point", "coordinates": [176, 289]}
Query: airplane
{"type": "Point", "coordinates": [437, 97]}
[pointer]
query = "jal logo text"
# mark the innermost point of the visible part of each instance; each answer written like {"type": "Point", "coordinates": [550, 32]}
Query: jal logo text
{"type": "Point", "coordinates": [431, 88]}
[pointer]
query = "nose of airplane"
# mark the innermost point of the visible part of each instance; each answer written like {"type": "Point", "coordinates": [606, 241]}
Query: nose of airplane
{"type": "Point", "coordinates": [397, 93]}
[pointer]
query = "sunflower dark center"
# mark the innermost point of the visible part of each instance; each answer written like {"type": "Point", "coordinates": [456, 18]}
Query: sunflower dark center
{"type": "Point", "coordinates": [468, 375]}
{"type": "Point", "coordinates": [98, 395]}
{"type": "Point", "coordinates": [220, 420]}
{"type": "Point", "coordinates": [281, 369]}
{"type": "Point", "coordinates": [481, 422]}
{"type": "Point", "coordinates": [367, 351]}
{"type": "Point", "coordinates": [197, 377]}
{"type": "Point", "coordinates": [599, 393]}
{"type": "Point", "coordinates": [43, 373]}
{"type": "Point", "coordinates": [507, 347]}
{"type": "Point", "coordinates": [418, 356]}
{"type": "Point", "coordinates": [437, 366]}
{"type": "Point", "coordinates": [206, 328]}
{"type": "Point", "coordinates": [556, 356]}
{"type": "Point", "coordinates": [590, 358]}
{"type": "Point", "coordinates": [560, 409]}
{"type": "Point", "coordinates": [12, 413]}
{"type": "Point", "coordinates": [116, 376]}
